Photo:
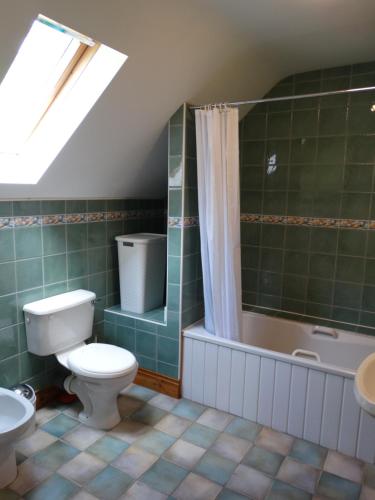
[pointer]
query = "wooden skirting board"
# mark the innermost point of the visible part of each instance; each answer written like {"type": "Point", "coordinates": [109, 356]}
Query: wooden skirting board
{"type": "Point", "coordinates": [158, 382]}
{"type": "Point", "coordinates": [146, 378]}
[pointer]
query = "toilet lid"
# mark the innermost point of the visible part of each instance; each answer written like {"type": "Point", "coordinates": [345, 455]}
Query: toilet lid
{"type": "Point", "coordinates": [101, 361]}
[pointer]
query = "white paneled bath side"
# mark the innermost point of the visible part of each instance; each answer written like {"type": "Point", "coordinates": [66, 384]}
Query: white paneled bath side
{"type": "Point", "coordinates": [303, 398]}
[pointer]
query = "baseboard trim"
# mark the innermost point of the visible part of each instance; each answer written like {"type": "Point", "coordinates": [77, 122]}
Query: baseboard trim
{"type": "Point", "coordinates": [158, 382]}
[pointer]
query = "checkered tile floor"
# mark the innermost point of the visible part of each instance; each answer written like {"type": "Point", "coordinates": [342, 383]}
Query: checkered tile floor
{"type": "Point", "coordinates": [177, 449]}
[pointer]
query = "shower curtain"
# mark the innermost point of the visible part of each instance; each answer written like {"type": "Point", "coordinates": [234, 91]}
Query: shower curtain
{"type": "Point", "coordinates": [219, 218]}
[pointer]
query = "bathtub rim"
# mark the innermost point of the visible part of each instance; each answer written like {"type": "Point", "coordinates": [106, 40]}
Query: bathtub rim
{"type": "Point", "coordinates": [198, 332]}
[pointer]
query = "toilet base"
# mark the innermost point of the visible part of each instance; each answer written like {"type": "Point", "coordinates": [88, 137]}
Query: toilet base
{"type": "Point", "coordinates": [99, 398]}
{"type": "Point", "coordinates": [8, 466]}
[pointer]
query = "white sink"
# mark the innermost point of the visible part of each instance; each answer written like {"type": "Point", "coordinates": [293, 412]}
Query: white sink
{"type": "Point", "coordinates": [364, 386]}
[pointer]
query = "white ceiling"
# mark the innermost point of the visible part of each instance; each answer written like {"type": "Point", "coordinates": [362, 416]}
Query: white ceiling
{"type": "Point", "coordinates": [179, 50]}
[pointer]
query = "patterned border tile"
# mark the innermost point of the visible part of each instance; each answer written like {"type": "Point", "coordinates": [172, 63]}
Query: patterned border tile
{"type": "Point", "coordinates": [183, 221]}
{"type": "Point", "coordinates": [308, 221]}
{"type": "Point", "coordinates": [47, 220]}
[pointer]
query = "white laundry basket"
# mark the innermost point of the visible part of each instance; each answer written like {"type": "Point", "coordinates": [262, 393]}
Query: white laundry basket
{"type": "Point", "coordinates": [142, 262]}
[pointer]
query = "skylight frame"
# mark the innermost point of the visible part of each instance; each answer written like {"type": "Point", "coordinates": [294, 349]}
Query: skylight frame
{"type": "Point", "coordinates": [72, 98]}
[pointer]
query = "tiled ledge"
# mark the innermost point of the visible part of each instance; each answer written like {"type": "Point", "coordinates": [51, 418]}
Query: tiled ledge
{"type": "Point", "coordinates": [155, 316]}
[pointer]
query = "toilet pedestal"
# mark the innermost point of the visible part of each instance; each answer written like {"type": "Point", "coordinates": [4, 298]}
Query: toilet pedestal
{"type": "Point", "coordinates": [8, 465]}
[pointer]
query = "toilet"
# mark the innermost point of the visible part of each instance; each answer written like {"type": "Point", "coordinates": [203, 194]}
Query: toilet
{"type": "Point", "coordinates": [60, 325]}
{"type": "Point", "coordinates": [17, 417]}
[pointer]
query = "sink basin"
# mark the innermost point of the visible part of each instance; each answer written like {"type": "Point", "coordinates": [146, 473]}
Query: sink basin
{"type": "Point", "coordinates": [364, 386]}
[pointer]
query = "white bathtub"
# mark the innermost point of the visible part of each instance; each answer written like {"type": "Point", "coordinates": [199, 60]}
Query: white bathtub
{"type": "Point", "coordinates": [259, 379]}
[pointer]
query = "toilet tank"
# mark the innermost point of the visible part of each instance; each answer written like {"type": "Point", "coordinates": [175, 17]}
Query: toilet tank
{"type": "Point", "coordinates": [59, 322]}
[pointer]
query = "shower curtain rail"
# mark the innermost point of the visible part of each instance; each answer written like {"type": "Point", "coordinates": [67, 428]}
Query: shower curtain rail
{"type": "Point", "coordinates": [287, 98]}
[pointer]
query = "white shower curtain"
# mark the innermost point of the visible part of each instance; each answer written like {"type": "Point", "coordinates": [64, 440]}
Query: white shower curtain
{"type": "Point", "coordinates": [219, 218]}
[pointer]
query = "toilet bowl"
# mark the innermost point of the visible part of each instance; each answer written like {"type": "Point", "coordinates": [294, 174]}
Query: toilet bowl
{"type": "Point", "coordinates": [17, 416]}
{"type": "Point", "coordinates": [100, 372]}
{"type": "Point", "coordinates": [60, 325]}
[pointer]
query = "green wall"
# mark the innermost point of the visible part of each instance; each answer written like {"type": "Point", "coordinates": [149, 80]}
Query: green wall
{"type": "Point", "coordinates": [50, 247]}
{"type": "Point", "coordinates": [308, 202]}
{"type": "Point", "coordinates": [157, 343]}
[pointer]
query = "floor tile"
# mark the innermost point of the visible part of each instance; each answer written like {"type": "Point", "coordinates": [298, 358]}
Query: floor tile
{"type": "Point", "coordinates": [82, 437]}
{"type": "Point", "coordinates": [249, 482]}
{"type": "Point", "coordinates": [184, 454]}
{"type": "Point", "coordinates": [188, 409]}
{"type": "Point", "coordinates": [367, 493]}
{"type": "Point", "coordinates": [156, 442]}
{"type": "Point", "coordinates": [109, 484]}
{"type": "Point", "coordinates": [244, 429]}
{"type": "Point", "coordinates": [344, 466]}
{"type": "Point", "coordinates": [369, 475]}
{"type": "Point", "coordinates": [74, 409]}
{"type": "Point", "coordinates": [127, 405]}
{"type": "Point", "coordinates": [302, 476]}
{"type": "Point", "coordinates": [164, 476]}
{"type": "Point", "coordinates": [140, 392]}
{"type": "Point", "coordinates": [215, 467]}
{"type": "Point", "coordinates": [308, 453]}
{"type": "Point", "coordinates": [173, 425]}
{"type": "Point", "coordinates": [129, 431]}
{"type": "Point", "coordinates": [140, 491]}
{"type": "Point", "coordinates": [197, 487]}
{"type": "Point", "coordinates": [264, 460]}
{"type": "Point", "coordinates": [135, 461]}
{"type": "Point", "coordinates": [283, 491]}
{"type": "Point", "coordinates": [338, 488]}
{"type": "Point", "coordinates": [29, 476]}
{"type": "Point", "coordinates": [214, 418]}
{"type": "Point", "coordinates": [60, 425]}
{"type": "Point", "coordinates": [164, 402]}
{"type": "Point", "coordinates": [55, 455]}
{"type": "Point", "coordinates": [82, 468]}
{"type": "Point", "coordinates": [84, 495]}
{"type": "Point", "coordinates": [230, 495]}
{"type": "Point", "coordinates": [200, 435]}
{"type": "Point", "coordinates": [55, 487]}
{"type": "Point", "coordinates": [36, 442]}
{"type": "Point", "coordinates": [44, 414]}
{"type": "Point", "coordinates": [231, 447]}
{"type": "Point", "coordinates": [107, 448]}
{"type": "Point", "coordinates": [274, 441]}
{"type": "Point", "coordinates": [148, 415]}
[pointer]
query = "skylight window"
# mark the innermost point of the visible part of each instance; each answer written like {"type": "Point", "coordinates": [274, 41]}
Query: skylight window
{"type": "Point", "coordinates": [53, 82]}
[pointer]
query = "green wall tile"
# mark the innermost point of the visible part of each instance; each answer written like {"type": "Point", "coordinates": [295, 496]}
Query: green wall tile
{"type": "Point", "coordinates": [50, 207]}
{"type": "Point", "coordinates": [6, 208]}
{"type": "Point", "coordinates": [54, 239]}
{"type": "Point", "coordinates": [28, 241]}
{"type": "Point", "coordinates": [8, 342]}
{"type": "Point", "coordinates": [96, 234]}
{"type": "Point", "coordinates": [54, 268]}
{"type": "Point", "coordinates": [145, 344]}
{"type": "Point", "coordinates": [7, 278]}
{"type": "Point", "coordinates": [6, 245]}
{"type": "Point", "coordinates": [26, 208]}
{"type": "Point", "coordinates": [76, 236]}
{"type": "Point", "coordinates": [8, 310]}
{"type": "Point", "coordinates": [29, 274]}
{"type": "Point", "coordinates": [168, 351]}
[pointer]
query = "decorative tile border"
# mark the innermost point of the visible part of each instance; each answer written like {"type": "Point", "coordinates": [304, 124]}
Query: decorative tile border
{"type": "Point", "coordinates": [47, 220]}
{"type": "Point", "coordinates": [180, 222]}
{"type": "Point", "coordinates": [291, 220]}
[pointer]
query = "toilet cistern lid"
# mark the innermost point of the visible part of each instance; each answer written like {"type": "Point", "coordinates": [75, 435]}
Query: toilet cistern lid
{"type": "Point", "coordinates": [101, 361]}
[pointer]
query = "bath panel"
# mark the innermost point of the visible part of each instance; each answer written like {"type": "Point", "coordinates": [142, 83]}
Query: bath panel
{"type": "Point", "coordinates": [305, 398]}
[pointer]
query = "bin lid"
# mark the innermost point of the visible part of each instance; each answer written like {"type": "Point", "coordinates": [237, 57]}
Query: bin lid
{"type": "Point", "coordinates": [141, 238]}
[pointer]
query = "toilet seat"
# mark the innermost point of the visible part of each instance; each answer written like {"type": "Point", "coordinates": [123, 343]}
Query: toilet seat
{"type": "Point", "coordinates": [101, 361]}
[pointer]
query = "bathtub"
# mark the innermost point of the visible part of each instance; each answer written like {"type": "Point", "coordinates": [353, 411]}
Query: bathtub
{"type": "Point", "coordinates": [293, 377]}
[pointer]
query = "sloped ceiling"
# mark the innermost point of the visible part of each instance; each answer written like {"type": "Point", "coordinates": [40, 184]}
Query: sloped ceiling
{"type": "Point", "coordinates": [179, 50]}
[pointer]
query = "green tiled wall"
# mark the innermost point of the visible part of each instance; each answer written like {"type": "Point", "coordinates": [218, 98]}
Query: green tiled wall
{"type": "Point", "coordinates": [324, 153]}
{"type": "Point", "coordinates": [156, 345]}
{"type": "Point", "coordinates": [44, 259]}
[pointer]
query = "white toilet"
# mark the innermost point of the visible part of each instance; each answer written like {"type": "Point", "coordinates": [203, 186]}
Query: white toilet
{"type": "Point", "coordinates": [59, 325]}
{"type": "Point", "coordinates": [17, 416]}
